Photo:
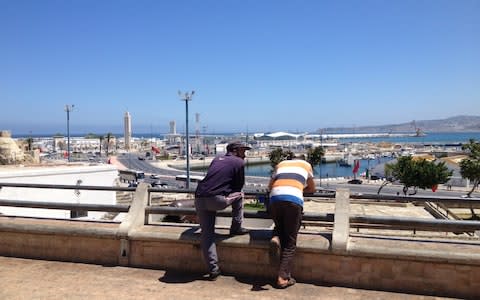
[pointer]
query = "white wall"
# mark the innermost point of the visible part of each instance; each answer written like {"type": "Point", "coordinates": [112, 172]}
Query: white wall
{"type": "Point", "coordinates": [103, 175]}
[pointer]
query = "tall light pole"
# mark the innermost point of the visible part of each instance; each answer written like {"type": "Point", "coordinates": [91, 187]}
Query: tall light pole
{"type": "Point", "coordinates": [320, 165]}
{"type": "Point", "coordinates": [187, 97]}
{"type": "Point", "coordinates": [68, 109]}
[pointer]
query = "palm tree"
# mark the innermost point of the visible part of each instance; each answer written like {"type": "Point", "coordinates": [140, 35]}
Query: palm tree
{"type": "Point", "coordinates": [314, 157]}
{"type": "Point", "coordinates": [101, 141]}
{"type": "Point", "coordinates": [109, 136]}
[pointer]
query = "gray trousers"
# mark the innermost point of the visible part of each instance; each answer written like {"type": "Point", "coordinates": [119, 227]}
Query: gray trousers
{"type": "Point", "coordinates": [207, 208]}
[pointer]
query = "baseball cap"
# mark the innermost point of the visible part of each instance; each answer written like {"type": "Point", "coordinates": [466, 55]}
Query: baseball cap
{"type": "Point", "coordinates": [237, 145]}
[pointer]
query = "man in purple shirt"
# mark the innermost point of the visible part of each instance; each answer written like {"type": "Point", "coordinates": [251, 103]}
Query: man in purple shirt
{"type": "Point", "coordinates": [221, 187]}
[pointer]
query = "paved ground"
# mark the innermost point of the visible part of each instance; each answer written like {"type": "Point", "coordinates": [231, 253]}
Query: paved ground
{"type": "Point", "coordinates": [38, 279]}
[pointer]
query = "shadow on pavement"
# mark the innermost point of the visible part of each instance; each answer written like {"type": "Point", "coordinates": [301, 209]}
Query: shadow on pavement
{"type": "Point", "coordinates": [258, 284]}
{"type": "Point", "coordinates": [172, 276]}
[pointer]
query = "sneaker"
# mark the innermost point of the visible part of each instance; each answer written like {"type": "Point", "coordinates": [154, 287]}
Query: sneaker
{"type": "Point", "coordinates": [274, 249]}
{"type": "Point", "coordinates": [239, 231]}
{"type": "Point", "coordinates": [212, 276]}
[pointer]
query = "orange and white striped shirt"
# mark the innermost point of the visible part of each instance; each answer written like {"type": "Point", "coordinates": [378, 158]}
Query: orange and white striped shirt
{"type": "Point", "coordinates": [289, 179]}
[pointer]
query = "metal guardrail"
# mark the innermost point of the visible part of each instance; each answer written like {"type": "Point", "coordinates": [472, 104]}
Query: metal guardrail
{"type": "Point", "coordinates": [452, 202]}
{"type": "Point", "coordinates": [65, 206]}
{"type": "Point", "coordinates": [417, 223]}
{"type": "Point", "coordinates": [397, 223]}
{"type": "Point", "coordinates": [67, 187]}
{"type": "Point", "coordinates": [455, 202]}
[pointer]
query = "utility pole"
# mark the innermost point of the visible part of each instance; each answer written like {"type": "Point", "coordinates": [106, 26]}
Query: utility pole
{"type": "Point", "coordinates": [320, 165]}
{"type": "Point", "coordinates": [187, 97]}
{"type": "Point", "coordinates": [68, 109]}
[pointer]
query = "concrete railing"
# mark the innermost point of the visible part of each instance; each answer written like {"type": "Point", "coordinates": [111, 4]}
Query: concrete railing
{"type": "Point", "coordinates": [406, 264]}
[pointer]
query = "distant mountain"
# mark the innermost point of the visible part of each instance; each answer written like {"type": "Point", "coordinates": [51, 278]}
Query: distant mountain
{"type": "Point", "coordinates": [453, 124]}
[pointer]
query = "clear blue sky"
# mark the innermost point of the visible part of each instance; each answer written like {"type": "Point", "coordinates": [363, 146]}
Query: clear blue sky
{"type": "Point", "coordinates": [254, 64]}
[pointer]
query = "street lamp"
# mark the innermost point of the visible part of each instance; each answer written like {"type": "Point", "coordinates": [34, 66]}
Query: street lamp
{"type": "Point", "coordinates": [186, 97]}
{"type": "Point", "coordinates": [320, 165]}
{"type": "Point", "coordinates": [68, 109]}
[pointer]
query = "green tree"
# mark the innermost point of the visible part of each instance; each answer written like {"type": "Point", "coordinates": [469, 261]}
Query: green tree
{"type": "Point", "coordinates": [419, 173]}
{"type": "Point", "coordinates": [30, 143]}
{"type": "Point", "coordinates": [101, 142]}
{"type": "Point", "coordinates": [314, 155]}
{"type": "Point", "coordinates": [470, 167]}
{"type": "Point", "coordinates": [278, 155]}
{"type": "Point", "coordinates": [388, 170]}
{"type": "Point", "coordinates": [109, 137]}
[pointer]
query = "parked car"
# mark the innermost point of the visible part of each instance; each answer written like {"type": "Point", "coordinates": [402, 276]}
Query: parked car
{"type": "Point", "coordinates": [375, 177]}
{"type": "Point", "coordinates": [159, 183]}
{"type": "Point", "coordinates": [355, 181]}
{"type": "Point", "coordinates": [141, 158]}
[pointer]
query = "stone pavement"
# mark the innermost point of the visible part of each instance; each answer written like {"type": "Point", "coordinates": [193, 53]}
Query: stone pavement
{"type": "Point", "coordinates": [40, 279]}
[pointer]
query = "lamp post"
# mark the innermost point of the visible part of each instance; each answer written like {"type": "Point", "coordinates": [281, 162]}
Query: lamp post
{"type": "Point", "coordinates": [68, 109]}
{"type": "Point", "coordinates": [186, 97]}
{"type": "Point", "coordinates": [320, 165]}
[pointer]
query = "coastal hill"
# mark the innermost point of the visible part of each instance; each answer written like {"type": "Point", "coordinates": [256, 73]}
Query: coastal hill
{"type": "Point", "coordinates": [453, 124]}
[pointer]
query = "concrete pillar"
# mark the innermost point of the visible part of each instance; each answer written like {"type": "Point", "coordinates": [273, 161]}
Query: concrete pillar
{"type": "Point", "coordinates": [135, 218]}
{"type": "Point", "coordinates": [341, 225]}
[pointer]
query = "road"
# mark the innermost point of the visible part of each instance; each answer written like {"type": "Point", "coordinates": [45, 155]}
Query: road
{"type": "Point", "coordinates": [131, 161]}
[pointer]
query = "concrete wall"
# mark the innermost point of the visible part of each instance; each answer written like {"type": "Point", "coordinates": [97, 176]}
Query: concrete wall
{"type": "Point", "coordinates": [408, 265]}
{"type": "Point", "coordinates": [103, 175]}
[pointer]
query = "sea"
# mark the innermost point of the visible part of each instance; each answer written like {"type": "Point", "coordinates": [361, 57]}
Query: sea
{"type": "Point", "coordinates": [324, 170]}
{"type": "Point", "coordinates": [334, 170]}
{"type": "Point", "coordinates": [429, 138]}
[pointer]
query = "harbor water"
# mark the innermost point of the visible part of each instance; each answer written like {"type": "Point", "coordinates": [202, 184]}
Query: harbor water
{"type": "Point", "coordinates": [325, 170]}
{"type": "Point", "coordinates": [333, 169]}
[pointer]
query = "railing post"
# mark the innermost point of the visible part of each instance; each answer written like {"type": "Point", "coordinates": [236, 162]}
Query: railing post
{"type": "Point", "coordinates": [134, 219]}
{"type": "Point", "coordinates": [341, 224]}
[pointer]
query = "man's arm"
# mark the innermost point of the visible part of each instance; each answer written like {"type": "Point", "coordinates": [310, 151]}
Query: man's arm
{"type": "Point", "coordinates": [310, 188]}
{"type": "Point", "coordinates": [270, 184]}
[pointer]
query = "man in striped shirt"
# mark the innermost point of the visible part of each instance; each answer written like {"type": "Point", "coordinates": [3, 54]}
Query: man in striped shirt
{"type": "Point", "coordinates": [291, 178]}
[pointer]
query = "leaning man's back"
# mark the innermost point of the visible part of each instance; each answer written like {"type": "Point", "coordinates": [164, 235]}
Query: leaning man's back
{"type": "Point", "coordinates": [225, 175]}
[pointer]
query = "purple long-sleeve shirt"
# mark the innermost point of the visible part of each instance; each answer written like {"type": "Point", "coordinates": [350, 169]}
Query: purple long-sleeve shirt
{"type": "Point", "coordinates": [226, 174]}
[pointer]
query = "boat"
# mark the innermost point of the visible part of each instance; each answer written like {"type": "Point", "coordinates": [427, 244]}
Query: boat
{"type": "Point", "coordinates": [346, 162]}
{"type": "Point", "coordinates": [343, 163]}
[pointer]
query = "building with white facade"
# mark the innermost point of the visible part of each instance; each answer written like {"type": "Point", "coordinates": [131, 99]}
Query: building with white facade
{"type": "Point", "coordinates": [100, 175]}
